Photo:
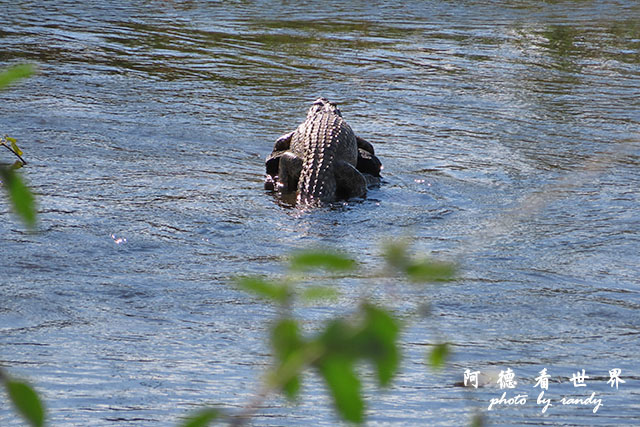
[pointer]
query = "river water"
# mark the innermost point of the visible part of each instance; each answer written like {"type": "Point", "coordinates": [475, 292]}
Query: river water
{"type": "Point", "coordinates": [508, 131]}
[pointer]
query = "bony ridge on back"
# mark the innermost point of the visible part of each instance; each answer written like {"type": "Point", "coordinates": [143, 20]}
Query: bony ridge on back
{"type": "Point", "coordinates": [322, 160]}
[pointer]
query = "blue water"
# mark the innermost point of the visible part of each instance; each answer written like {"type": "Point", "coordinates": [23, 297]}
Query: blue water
{"type": "Point", "coordinates": [509, 137]}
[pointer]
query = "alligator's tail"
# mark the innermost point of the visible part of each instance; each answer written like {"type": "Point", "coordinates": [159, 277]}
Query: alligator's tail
{"type": "Point", "coordinates": [317, 180]}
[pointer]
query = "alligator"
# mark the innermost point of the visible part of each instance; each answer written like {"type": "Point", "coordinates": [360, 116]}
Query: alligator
{"type": "Point", "coordinates": [322, 160]}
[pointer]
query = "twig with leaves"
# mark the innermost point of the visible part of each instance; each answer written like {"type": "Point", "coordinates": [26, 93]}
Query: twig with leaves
{"type": "Point", "coordinates": [19, 194]}
{"type": "Point", "coordinates": [370, 334]}
{"type": "Point", "coordinates": [11, 144]}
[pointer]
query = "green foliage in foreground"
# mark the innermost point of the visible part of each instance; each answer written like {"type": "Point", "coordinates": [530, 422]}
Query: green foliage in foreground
{"type": "Point", "coordinates": [369, 334]}
{"type": "Point", "coordinates": [439, 355]}
{"type": "Point", "coordinates": [333, 352]}
{"type": "Point", "coordinates": [309, 260]}
{"type": "Point", "coordinates": [202, 418]}
{"type": "Point", "coordinates": [15, 73]}
{"type": "Point", "coordinates": [24, 399]}
{"type": "Point", "coordinates": [21, 395]}
{"type": "Point", "coordinates": [417, 270]}
{"type": "Point", "coordinates": [18, 193]}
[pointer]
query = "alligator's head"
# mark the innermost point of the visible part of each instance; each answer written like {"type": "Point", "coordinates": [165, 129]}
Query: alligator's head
{"type": "Point", "coordinates": [322, 105]}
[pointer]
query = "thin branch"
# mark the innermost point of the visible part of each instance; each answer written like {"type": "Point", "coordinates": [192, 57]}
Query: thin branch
{"type": "Point", "coordinates": [4, 144]}
{"type": "Point", "coordinates": [276, 379]}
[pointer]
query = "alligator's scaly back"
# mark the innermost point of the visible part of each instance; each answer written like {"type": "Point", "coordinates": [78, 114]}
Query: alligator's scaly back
{"type": "Point", "coordinates": [323, 138]}
{"type": "Point", "coordinates": [322, 159]}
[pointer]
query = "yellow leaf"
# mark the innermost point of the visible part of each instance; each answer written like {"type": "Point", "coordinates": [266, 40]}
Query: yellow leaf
{"type": "Point", "coordinates": [14, 146]}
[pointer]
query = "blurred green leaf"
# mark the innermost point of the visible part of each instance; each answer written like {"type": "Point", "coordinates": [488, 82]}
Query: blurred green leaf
{"type": "Point", "coordinates": [285, 337]}
{"type": "Point", "coordinates": [312, 259]}
{"type": "Point", "coordinates": [291, 388]}
{"type": "Point", "coordinates": [201, 419]}
{"type": "Point", "coordinates": [344, 386]}
{"type": "Point", "coordinates": [477, 420]}
{"type": "Point", "coordinates": [379, 340]}
{"type": "Point", "coordinates": [338, 337]}
{"type": "Point", "coordinates": [287, 344]}
{"type": "Point", "coordinates": [374, 337]}
{"type": "Point", "coordinates": [439, 355]}
{"type": "Point", "coordinates": [273, 291]}
{"type": "Point", "coordinates": [396, 253]}
{"type": "Point", "coordinates": [26, 401]}
{"type": "Point", "coordinates": [20, 196]}
{"type": "Point", "coordinates": [15, 73]}
{"type": "Point", "coordinates": [16, 165]}
{"type": "Point", "coordinates": [430, 271]}
{"type": "Point", "coordinates": [316, 293]}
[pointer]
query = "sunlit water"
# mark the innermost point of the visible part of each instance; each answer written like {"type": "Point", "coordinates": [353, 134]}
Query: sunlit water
{"type": "Point", "coordinates": [509, 136]}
